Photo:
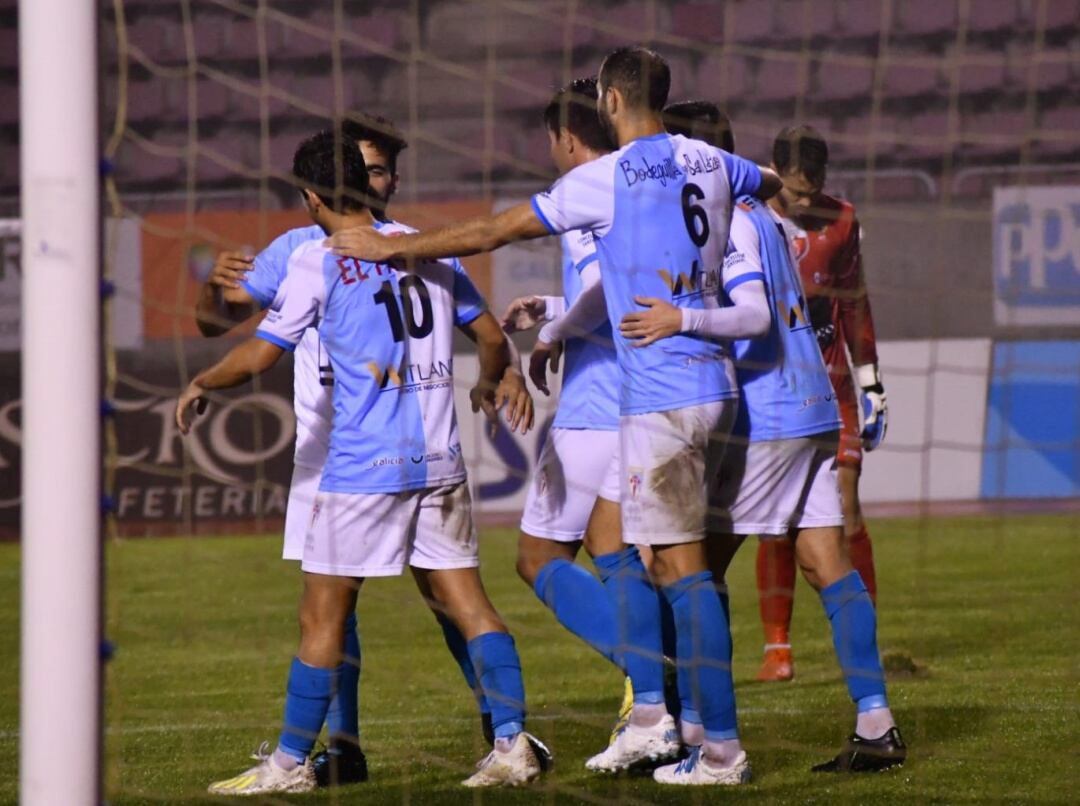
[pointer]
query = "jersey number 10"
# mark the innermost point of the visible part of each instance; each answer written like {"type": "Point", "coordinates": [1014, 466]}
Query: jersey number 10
{"type": "Point", "coordinates": [403, 318]}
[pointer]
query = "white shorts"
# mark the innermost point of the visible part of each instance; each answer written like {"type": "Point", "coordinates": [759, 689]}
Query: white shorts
{"type": "Point", "coordinates": [667, 459]}
{"type": "Point", "coordinates": [575, 467]}
{"type": "Point", "coordinates": [302, 492]}
{"type": "Point", "coordinates": [378, 534]}
{"type": "Point", "coordinates": [770, 488]}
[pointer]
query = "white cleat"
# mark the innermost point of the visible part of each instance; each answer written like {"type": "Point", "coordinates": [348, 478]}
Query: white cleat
{"type": "Point", "coordinates": [514, 767]}
{"type": "Point", "coordinates": [634, 745]}
{"type": "Point", "coordinates": [267, 776]}
{"type": "Point", "coordinates": [695, 770]}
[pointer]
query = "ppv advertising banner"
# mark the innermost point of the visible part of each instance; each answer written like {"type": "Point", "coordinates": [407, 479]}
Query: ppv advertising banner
{"type": "Point", "coordinates": [1037, 256]}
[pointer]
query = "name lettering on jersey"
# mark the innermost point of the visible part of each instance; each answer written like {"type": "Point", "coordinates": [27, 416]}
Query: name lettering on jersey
{"type": "Point", "coordinates": [701, 163]}
{"type": "Point", "coordinates": [352, 270]}
{"type": "Point", "coordinates": [662, 172]}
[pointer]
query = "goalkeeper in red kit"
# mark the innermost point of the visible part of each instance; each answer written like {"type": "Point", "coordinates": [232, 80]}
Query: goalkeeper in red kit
{"type": "Point", "coordinates": [826, 235]}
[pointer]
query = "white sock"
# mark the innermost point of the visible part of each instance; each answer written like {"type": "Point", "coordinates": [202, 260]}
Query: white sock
{"type": "Point", "coordinates": [723, 753]}
{"type": "Point", "coordinates": [874, 724]}
{"type": "Point", "coordinates": [504, 743]}
{"type": "Point", "coordinates": [647, 714]}
{"type": "Point", "coordinates": [693, 733]}
{"type": "Point", "coordinates": [286, 761]}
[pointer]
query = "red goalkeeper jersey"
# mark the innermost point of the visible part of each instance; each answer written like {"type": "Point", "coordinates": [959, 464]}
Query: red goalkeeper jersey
{"type": "Point", "coordinates": [830, 263]}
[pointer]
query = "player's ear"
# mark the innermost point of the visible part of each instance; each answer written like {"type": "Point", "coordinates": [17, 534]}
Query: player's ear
{"type": "Point", "coordinates": [566, 137]}
{"type": "Point", "coordinates": [311, 200]}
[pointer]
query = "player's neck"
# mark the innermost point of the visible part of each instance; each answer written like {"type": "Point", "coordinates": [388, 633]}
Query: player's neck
{"type": "Point", "coordinates": [335, 222]}
{"type": "Point", "coordinates": [637, 127]}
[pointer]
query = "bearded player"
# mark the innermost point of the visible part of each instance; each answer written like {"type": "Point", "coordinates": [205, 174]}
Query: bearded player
{"type": "Point", "coordinates": [826, 235]}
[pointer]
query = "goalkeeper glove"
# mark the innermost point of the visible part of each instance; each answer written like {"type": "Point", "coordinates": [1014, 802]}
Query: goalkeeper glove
{"type": "Point", "coordinates": [874, 406]}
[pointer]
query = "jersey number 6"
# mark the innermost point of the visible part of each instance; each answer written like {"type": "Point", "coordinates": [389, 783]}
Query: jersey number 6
{"type": "Point", "coordinates": [399, 323]}
{"type": "Point", "coordinates": [697, 222]}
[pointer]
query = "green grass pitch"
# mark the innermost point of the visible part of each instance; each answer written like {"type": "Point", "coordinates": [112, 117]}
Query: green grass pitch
{"type": "Point", "coordinates": [204, 628]}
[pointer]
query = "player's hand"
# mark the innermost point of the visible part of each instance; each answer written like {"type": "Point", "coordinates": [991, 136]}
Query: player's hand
{"type": "Point", "coordinates": [875, 406]}
{"type": "Point", "coordinates": [513, 394]}
{"type": "Point", "coordinates": [662, 319]}
{"type": "Point", "coordinates": [192, 397]}
{"type": "Point", "coordinates": [544, 355]}
{"type": "Point", "coordinates": [524, 313]}
{"type": "Point", "coordinates": [362, 243]}
{"type": "Point", "coordinates": [229, 269]}
{"type": "Point", "coordinates": [482, 397]}
{"type": "Point", "coordinates": [875, 417]}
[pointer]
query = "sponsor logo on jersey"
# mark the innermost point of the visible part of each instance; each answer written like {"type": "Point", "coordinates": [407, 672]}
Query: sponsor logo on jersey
{"type": "Point", "coordinates": [383, 461]}
{"type": "Point", "coordinates": [696, 281]}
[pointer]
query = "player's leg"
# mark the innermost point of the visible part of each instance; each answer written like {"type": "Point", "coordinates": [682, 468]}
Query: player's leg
{"type": "Point", "coordinates": [344, 761]}
{"type": "Point", "coordinates": [850, 456]}
{"type": "Point", "coordinates": [860, 549]}
{"type": "Point", "coordinates": [667, 459]}
{"type": "Point", "coordinates": [444, 552]}
{"type": "Point", "coordinates": [459, 649]}
{"type": "Point", "coordinates": [776, 601]}
{"type": "Point", "coordinates": [822, 556]}
{"type": "Point", "coordinates": [313, 680]}
{"type": "Point", "coordinates": [553, 524]}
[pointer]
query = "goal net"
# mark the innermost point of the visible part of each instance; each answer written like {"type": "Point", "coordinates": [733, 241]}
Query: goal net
{"type": "Point", "coordinates": [952, 126]}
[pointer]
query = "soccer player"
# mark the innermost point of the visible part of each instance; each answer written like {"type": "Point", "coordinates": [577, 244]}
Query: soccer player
{"type": "Point", "coordinates": [240, 286]}
{"type": "Point", "coordinates": [659, 210]}
{"type": "Point", "coordinates": [778, 477]}
{"type": "Point", "coordinates": [826, 236]}
{"type": "Point", "coordinates": [393, 490]}
{"type": "Point", "coordinates": [574, 495]}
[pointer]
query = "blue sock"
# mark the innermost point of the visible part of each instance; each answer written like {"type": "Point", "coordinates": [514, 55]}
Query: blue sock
{"type": "Point", "coordinates": [496, 661]}
{"type": "Point", "coordinates": [307, 699]}
{"type": "Point", "coordinates": [703, 643]}
{"type": "Point", "coordinates": [343, 720]}
{"type": "Point", "coordinates": [459, 648]}
{"type": "Point", "coordinates": [581, 604]}
{"type": "Point", "coordinates": [854, 628]}
{"type": "Point", "coordinates": [637, 620]}
{"type": "Point", "coordinates": [687, 713]}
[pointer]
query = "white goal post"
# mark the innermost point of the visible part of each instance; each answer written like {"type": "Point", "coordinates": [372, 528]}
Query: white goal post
{"type": "Point", "coordinates": [60, 679]}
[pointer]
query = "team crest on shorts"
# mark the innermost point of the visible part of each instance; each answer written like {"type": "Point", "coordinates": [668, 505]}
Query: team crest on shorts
{"type": "Point", "coordinates": [635, 481]}
{"type": "Point", "coordinates": [315, 511]}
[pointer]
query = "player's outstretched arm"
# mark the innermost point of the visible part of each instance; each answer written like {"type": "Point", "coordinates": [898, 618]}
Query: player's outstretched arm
{"type": "Point", "coordinates": [223, 302]}
{"type": "Point", "coordinates": [242, 363]}
{"type": "Point", "coordinates": [484, 234]}
{"type": "Point", "coordinates": [500, 383]}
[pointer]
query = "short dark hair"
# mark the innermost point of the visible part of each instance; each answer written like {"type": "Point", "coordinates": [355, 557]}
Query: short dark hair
{"type": "Point", "coordinates": [380, 131]}
{"type": "Point", "coordinates": [700, 120]}
{"type": "Point", "coordinates": [574, 108]}
{"type": "Point", "coordinates": [331, 165]}
{"type": "Point", "coordinates": [640, 74]}
{"type": "Point", "coordinates": [801, 149]}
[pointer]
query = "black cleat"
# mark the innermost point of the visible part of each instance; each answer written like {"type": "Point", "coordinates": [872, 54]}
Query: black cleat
{"type": "Point", "coordinates": [868, 755]}
{"type": "Point", "coordinates": [349, 766]}
{"type": "Point", "coordinates": [543, 753]}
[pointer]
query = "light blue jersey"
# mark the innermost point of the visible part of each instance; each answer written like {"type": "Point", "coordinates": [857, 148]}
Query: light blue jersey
{"type": "Point", "coordinates": [785, 387]}
{"type": "Point", "coordinates": [268, 270]}
{"type": "Point", "coordinates": [590, 389]}
{"type": "Point", "coordinates": [659, 208]}
{"type": "Point", "coordinates": [389, 338]}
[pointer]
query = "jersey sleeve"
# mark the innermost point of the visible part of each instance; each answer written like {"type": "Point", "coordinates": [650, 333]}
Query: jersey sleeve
{"type": "Point", "coordinates": [744, 175]}
{"type": "Point", "coordinates": [856, 320]}
{"type": "Point", "coordinates": [742, 263]}
{"type": "Point", "coordinates": [469, 303]}
{"type": "Point", "coordinates": [299, 302]}
{"type": "Point", "coordinates": [268, 271]}
{"type": "Point", "coordinates": [584, 199]}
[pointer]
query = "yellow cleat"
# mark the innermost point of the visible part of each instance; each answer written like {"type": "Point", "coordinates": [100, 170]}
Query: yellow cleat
{"type": "Point", "coordinates": [624, 711]}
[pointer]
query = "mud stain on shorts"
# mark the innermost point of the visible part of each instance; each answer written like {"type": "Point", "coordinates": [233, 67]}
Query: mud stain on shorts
{"type": "Point", "coordinates": [677, 484]}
